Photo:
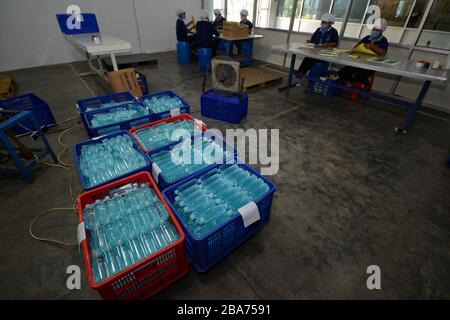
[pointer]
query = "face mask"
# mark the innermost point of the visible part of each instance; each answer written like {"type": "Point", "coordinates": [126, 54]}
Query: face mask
{"type": "Point", "coordinates": [183, 17]}
{"type": "Point", "coordinates": [375, 34]}
{"type": "Point", "coordinates": [324, 26]}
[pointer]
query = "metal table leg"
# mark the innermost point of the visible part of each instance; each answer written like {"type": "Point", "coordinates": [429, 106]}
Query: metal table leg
{"type": "Point", "coordinates": [291, 75]}
{"type": "Point", "coordinates": [413, 109]}
{"type": "Point", "coordinates": [13, 154]}
{"type": "Point", "coordinates": [114, 62]}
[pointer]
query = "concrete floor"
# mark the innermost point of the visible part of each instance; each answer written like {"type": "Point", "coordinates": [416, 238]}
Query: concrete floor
{"type": "Point", "coordinates": [350, 194]}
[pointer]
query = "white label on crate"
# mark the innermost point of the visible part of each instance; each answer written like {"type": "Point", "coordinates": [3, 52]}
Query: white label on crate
{"type": "Point", "coordinates": [249, 213]}
{"type": "Point", "coordinates": [81, 233]}
{"type": "Point", "coordinates": [175, 112]}
{"type": "Point", "coordinates": [155, 171]}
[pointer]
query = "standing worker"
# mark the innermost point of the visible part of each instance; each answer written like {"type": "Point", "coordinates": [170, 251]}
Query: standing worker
{"type": "Point", "coordinates": [245, 21]}
{"type": "Point", "coordinates": [219, 20]}
{"type": "Point", "coordinates": [183, 29]}
{"type": "Point", "coordinates": [205, 32]}
{"type": "Point", "coordinates": [326, 36]}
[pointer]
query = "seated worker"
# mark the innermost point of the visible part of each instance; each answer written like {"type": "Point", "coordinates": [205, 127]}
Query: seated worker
{"type": "Point", "coordinates": [375, 43]}
{"type": "Point", "coordinates": [205, 32]}
{"type": "Point", "coordinates": [324, 37]}
{"type": "Point", "coordinates": [182, 28]}
{"type": "Point", "coordinates": [244, 20]}
{"type": "Point", "coordinates": [219, 20]}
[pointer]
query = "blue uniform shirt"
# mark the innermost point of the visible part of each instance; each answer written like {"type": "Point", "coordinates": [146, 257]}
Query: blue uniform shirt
{"type": "Point", "coordinates": [182, 31]}
{"type": "Point", "coordinates": [320, 37]}
{"type": "Point", "coordinates": [205, 32]}
{"type": "Point", "coordinates": [381, 42]}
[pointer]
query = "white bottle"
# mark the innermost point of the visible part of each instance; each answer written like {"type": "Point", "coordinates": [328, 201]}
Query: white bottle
{"type": "Point", "coordinates": [436, 64]}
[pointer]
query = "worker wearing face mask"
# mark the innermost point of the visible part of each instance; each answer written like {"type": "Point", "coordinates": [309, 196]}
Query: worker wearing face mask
{"type": "Point", "coordinates": [219, 20]}
{"type": "Point", "coordinates": [205, 32]}
{"type": "Point", "coordinates": [245, 21]}
{"type": "Point", "coordinates": [325, 36]}
{"type": "Point", "coordinates": [375, 44]}
{"type": "Point", "coordinates": [182, 28]}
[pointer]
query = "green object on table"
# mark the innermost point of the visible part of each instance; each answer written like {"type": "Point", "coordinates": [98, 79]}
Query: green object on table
{"type": "Point", "coordinates": [384, 60]}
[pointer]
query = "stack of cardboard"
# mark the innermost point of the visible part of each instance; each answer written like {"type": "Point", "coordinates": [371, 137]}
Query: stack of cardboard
{"type": "Point", "coordinates": [125, 80]}
{"type": "Point", "coordinates": [234, 30]}
{"type": "Point", "coordinates": [6, 87]}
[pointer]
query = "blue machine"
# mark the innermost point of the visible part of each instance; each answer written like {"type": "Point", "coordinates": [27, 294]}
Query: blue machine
{"type": "Point", "coordinates": [13, 121]}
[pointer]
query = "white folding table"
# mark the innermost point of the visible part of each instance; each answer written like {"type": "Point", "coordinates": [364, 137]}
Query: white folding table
{"type": "Point", "coordinates": [108, 45]}
{"type": "Point", "coordinates": [405, 68]}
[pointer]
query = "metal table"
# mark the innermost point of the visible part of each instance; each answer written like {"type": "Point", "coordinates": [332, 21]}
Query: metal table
{"type": "Point", "coordinates": [23, 168]}
{"type": "Point", "coordinates": [406, 68]}
{"type": "Point", "coordinates": [109, 46]}
{"type": "Point", "coordinates": [228, 42]}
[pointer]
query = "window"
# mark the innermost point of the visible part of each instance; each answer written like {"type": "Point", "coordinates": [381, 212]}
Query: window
{"type": "Point", "coordinates": [396, 12]}
{"type": "Point", "coordinates": [435, 33]}
{"type": "Point", "coordinates": [210, 5]}
{"type": "Point", "coordinates": [439, 17]}
{"type": "Point", "coordinates": [417, 13]}
{"type": "Point", "coordinates": [234, 8]}
{"type": "Point", "coordinates": [357, 10]}
{"type": "Point", "coordinates": [263, 14]}
{"type": "Point", "coordinates": [314, 9]}
{"type": "Point", "coordinates": [285, 8]}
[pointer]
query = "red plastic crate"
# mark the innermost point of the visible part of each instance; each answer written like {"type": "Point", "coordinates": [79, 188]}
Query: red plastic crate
{"type": "Point", "coordinates": [183, 116]}
{"type": "Point", "coordinates": [150, 275]}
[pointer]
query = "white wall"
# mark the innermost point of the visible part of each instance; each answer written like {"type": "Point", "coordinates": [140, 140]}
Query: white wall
{"type": "Point", "coordinates": [438, 95]}
{"type": "Point", "coordinates": [30, 35]}
{"type": "Point", "coordinates": [157, 19]}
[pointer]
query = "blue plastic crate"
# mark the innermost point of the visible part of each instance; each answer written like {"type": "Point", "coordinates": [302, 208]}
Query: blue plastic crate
{"type": "Point", "coordinates": [88, 25]}
{"type": "Point", "coordinates": [322, 87]}
{"type": "Point", "coordinates": [123, 125]}
{"type": "Point", "coordinates": [230, 109]}
{"type": "Point", "coordinates": [166, 114]}
{"type": "Point", "coordinates": [77, 153]}
{"type": "Point", "coordinates": [29, 102]}
{"type": "Point", "coordinates": [95, 102]}
{"type": "Point", "coordinates": [162, 183]}
{"type": "Point", "coordinates": [206, 252]}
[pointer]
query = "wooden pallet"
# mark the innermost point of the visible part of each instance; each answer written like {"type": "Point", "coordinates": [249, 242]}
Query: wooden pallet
{"type": "Point", "coordinates": [258, 77]}
{"type": "Point", "coordinates": [6, 87]}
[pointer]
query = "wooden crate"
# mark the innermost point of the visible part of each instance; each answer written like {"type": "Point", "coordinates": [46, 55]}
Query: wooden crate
{"type": "Point", "coordinates": [234, 30]}
{"type": "Point", "coordinates": [6, 87]}
{"type": "Point", "coordinates": [258, 77]}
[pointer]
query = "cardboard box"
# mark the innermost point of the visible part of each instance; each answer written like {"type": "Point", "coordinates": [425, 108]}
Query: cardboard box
{"type": "Point", "coordinates": [234, 30]}
{"type": "Point", "coordinates": [124, 80]}
{"type": "Point", "coordinates": [6, 87]}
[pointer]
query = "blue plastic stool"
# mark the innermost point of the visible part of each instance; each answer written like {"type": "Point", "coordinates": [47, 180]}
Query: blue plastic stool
{"type": "Point", "coordinates": [204, 57]}
{"type": "Point", "coordinates": [184, 52]}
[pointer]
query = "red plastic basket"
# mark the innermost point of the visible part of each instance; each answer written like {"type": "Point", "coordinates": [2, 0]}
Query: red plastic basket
{"type": "Point", "coordinates": [183, 116]}
{"type": "Point", "coordinates": [152, 274]}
